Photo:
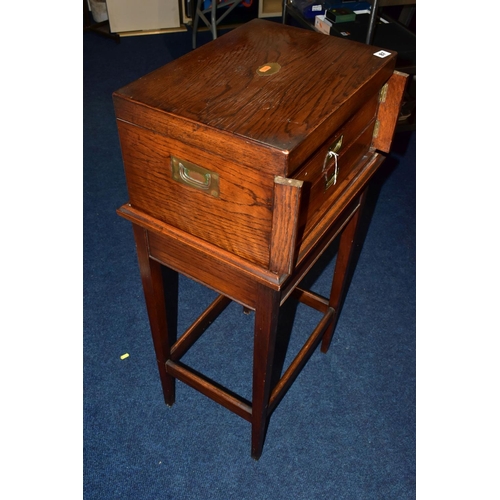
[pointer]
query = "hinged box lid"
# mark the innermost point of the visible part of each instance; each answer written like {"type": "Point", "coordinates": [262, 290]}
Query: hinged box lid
{"type": "Point", "coordinates": [271, 93]}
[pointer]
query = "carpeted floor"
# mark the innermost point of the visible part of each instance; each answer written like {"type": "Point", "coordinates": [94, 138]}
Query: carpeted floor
{"type": "Point", "coordinates": [346, 428]}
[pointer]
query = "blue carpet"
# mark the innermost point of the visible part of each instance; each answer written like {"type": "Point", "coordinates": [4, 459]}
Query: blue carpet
{"type": "Point", "coordinates": [346, 428]}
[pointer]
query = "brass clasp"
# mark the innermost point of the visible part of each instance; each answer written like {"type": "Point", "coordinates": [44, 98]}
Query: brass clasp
{"type": "Point", "coordinates": [333, 152]}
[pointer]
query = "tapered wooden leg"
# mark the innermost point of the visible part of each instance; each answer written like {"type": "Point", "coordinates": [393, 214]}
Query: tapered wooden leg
{"type": "Point", "coordinates": [152, 283]}
{"type": "Point", "coordinates": [340, 276]}
{"type": "Point", "coordinates": [266, 323]}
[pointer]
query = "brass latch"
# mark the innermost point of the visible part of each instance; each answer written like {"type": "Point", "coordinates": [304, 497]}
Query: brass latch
{"type": "Point", "coordinates": [333, 152]}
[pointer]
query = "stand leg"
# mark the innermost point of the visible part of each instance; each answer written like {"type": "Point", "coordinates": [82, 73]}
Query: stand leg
{"type": "Point", "coordinates": [266, 324]}
{"type": "Point", "coordinates": [340, 276]}
{"type": "Point", "coordinates": [152, 283]}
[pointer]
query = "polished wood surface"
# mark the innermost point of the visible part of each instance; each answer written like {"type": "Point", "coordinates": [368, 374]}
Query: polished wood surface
{"type": "Point", "coordinates": [245, 200]}
{"type": "Point", "coordinates": [287, 193]}
{"type": "Point", "coordinates": [152, 284]}
{"type": "Point", "coordinates": [322, 81]}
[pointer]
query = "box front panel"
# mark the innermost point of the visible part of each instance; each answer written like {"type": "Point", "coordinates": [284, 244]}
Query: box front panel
{"type": "Point", "coordinates": [198, 192]}
{"type": "Point", "coordinates": [327, 168]}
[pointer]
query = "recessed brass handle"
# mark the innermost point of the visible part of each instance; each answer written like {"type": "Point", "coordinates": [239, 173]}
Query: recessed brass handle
{"type": "Point", "coordinates": [195, 176]}
{"type": "Point", "coordinates": [333, 152]}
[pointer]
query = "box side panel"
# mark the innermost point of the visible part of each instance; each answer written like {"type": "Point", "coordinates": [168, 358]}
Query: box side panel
{"type": "Point", "coordinates": [237, 217]}
{"type": "Point", "coordinates": [228, 147]}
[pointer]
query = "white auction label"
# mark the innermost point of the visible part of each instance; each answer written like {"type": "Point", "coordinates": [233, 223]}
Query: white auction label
{"type": "Point", "coordinates": [382, 53]}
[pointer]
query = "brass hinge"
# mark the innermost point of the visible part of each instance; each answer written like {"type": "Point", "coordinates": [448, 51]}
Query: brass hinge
{"type": "Point", "coordinates": [376, 129]}
{"type": "Point", "coordinates": [383, 93]}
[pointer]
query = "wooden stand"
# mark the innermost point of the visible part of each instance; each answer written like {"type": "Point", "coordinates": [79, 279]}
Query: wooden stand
{"type": "Point", "coordinates": [252, 286]}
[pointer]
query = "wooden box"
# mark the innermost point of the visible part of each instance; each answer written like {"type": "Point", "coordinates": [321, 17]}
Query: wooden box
{"type": "Point", "coordinates": [247, 142]}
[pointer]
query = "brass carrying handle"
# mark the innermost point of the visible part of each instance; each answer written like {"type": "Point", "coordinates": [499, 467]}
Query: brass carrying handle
{"type": "Point", "coordinates": [195, 176]}
{"type": "Point", "coordinates": [332, 152]}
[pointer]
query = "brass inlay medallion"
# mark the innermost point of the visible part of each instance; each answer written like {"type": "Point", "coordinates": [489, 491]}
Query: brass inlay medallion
{"type": "Point", "coordinates": [268, 69]}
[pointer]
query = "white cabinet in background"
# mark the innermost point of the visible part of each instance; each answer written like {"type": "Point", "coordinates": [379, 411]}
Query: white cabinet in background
{"type": "Point", "coordinates": [143, 15]}
{"type": "Point", "coordinates": [270, 8]}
